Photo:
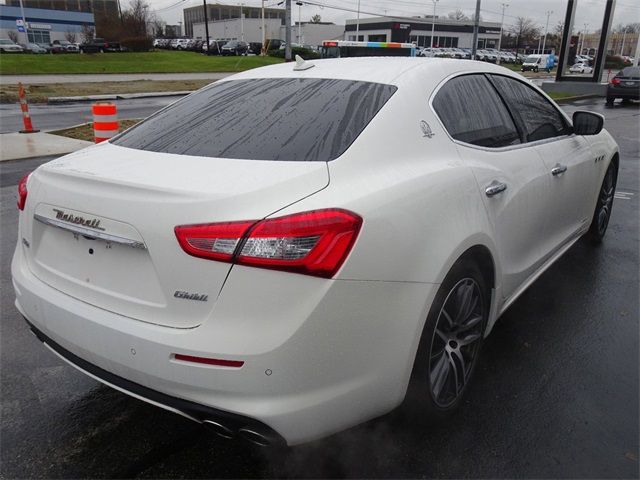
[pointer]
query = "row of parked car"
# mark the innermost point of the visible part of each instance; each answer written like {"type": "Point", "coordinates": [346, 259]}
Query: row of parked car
{"type": "Point", "coordinates": [486, 55]}
{"type": "Point", "coordinates": [96, 45]}
{"type": "Point", "coordinates": [215, 46]}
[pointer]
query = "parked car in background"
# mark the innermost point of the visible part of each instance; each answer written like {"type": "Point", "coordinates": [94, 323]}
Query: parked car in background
{"type": "Point", "coordinates": [33, 48]}
{"type": "Point", "coordinates": [625, 85]}
{"type": "Point", "coordinates": [235, 47]}
{"type": "Point", "coordinates": [7, 46]}
{"type": "Point", "coordinates": [580, 68]}
{"type": "Point", "coordinates": [100, 45]}
{"type": "Point", "coordinates": [272, 256]}
{"type": "Point", "coordinates": [46, 46]}
{"type": "Point", "coordinates": [181, 44]}
{"type": "Point", "coordinates": [64, 46]}
{"type": "Point", "coordinates": [214, 47]}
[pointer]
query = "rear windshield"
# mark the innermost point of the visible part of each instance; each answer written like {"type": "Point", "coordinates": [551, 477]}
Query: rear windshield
{"type": "Point", "coordinates": [296, 119]}
{"type": "Point", "coordinates": [630, 72]}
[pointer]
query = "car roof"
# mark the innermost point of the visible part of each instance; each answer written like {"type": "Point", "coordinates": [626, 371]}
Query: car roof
{"type": "Point", "coordinates": [388, 70]}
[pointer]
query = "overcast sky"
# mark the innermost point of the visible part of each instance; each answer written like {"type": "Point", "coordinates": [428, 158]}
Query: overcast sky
{"type": "Point", "coordinates": [588, 11]}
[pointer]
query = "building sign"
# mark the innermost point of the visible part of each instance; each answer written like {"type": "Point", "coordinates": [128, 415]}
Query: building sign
{"type": "Point", "coordinates": [20, 25]}
{"type": "Point", "coordinates": [39, 26]}
{"type": "Point", "coordinates": [401, 26]}
{"type": "Point", "coordinates": [496, 32]}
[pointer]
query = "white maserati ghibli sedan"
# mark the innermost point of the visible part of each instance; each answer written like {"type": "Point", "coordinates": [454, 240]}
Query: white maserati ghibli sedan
{"type": "Point", "coordinates": [302, 247]}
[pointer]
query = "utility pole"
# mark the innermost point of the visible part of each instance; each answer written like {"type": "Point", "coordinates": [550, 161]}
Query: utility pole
{"type": "Point", "coordinates": [476, 27]}
{"type": "Point", "coordinates": [433, 21]}
{"type": "Point", "coordinates": [504, 5]}
{"type": "Point", "coordinates": [287, 31]}
{"type": "Point", "coordinates": [546, 27]}
{"type": "Point", "coordinates": [263, 50]}
{"type": "Point", "coordinates": [299, 22]}
{"type": "Point", "coordinates": [206, 26]}
{"type": "Point", "coordinates": [358, 22]}
{"type": "Point", "coordinates": [584, 34]}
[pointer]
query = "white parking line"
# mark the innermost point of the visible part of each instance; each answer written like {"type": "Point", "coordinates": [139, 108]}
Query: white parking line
{"type": "Point", "coordinates": [623, 195]}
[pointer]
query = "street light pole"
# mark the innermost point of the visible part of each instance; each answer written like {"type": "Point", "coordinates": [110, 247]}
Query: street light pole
{"type": "Point", "coordinates": [358, 22]}
{"type": "Point", "coordinates": [433, 21]}
{"type": "Point", "coordinates": [504, 5]}
{"type": "Point", "coordinates": [287, 31]}
{"type": "Point", "coordinates": [476, 27]}
{"type": "Point", "coordinates": [242, 22]}
{"type": "Point", "coordinates": [584, 34]}
{"type": "Point", "coordinates": [624, 34]}
{"type": "Point", "coordinates": [264, 38]}
{"type": "Point", "coordinates": [546, 27]}
{"type": "Point", "coordinates": [299, 22]}
{"type": "Point", "coordinates": [206, 26]}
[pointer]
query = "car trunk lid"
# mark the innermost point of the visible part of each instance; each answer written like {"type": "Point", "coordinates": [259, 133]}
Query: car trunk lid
{"type": "Point", "coordinates": [101, 225]}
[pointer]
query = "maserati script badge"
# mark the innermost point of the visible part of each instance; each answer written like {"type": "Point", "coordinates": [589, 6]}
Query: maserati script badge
{"type": "Point", "coordinates": [77, 219]}
{"type": "Point", "coordinates": [191, 296]}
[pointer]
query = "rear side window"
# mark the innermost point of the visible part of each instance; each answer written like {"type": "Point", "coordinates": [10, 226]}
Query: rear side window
{"type": "Point", "coordinates": [538, 118]}
{"type": "Point", "coordinates": [472, 112]}
{"type": "Point", "coordinates": [297, 119]}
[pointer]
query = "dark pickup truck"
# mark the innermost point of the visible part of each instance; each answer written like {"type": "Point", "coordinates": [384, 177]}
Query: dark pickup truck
{"type": "Point", "coordinates": [100, 45]}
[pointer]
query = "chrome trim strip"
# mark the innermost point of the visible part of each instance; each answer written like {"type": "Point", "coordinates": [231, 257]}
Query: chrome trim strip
{"type": "Point", "coordinates": [88, 232]}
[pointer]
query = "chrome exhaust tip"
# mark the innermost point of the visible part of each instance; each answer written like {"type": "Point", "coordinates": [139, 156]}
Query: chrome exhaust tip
{"type": "Point", "coordinates": [218, 429]}
{"type": "Point", "coordinates": [254, 437]}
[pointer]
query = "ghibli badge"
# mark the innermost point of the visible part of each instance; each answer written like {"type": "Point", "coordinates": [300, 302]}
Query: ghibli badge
{"type": "Point", "coordinates": [191, 296]}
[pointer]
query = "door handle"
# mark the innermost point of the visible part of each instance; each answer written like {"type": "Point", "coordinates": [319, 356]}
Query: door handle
{"type": "Point", "coordinates": [558, 170]}
{"type": "Point", "coordinates": [495, 188]}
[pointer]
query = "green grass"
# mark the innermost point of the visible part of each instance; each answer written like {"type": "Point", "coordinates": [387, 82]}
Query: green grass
{"type": "Point", "coordinates": [559, 95]}
{"type": "Point", "coordinates": [130, 62]}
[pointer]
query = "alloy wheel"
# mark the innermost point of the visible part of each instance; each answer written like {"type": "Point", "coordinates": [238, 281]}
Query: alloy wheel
{"type": "Point", "coordinates": [605, 202]}
{"type": "Point", "coordinates": [456, 341]}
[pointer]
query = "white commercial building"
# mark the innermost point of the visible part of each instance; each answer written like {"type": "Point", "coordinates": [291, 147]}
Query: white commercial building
{"type": "Point", "coordinates": [250, 30]}
{"type": "Point", "coordinates": [447, 33]}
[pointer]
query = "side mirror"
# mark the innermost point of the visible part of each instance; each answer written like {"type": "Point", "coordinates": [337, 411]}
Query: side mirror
{"type": "Point", "coordinates": [587, 123]}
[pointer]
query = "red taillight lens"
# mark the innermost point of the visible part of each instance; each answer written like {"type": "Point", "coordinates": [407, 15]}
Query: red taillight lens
{"type": "Point", "coordinates": [22, 191]}
{"type": "Point", "coordinates": [215, 241]}
{"type": "Point", "coordinates": [615, 81]}
{"type": "Point", "coordinates": [312, 243]}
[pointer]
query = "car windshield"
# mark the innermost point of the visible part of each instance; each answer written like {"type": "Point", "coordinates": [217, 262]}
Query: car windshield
{"type": "Point", "coordinates": [531, 59]}
{"type": "Point", "coordinates": [296, 119]}
{"type": "Point", "coordinates": [6, 42]}
{"type": "Point", "coordinates": [232, 44]}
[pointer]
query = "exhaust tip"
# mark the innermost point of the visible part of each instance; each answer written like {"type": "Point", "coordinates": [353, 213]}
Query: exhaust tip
{"type": "Point", "coordinates": [254, 437]}
{"type": "Point", "coordinates": [218, 429]}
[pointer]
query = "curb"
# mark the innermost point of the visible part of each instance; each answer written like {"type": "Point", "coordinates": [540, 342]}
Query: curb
{"type": "Point", "coordinates": [577, 97]}
{"type": "Point", "coordinates": [118, 96]}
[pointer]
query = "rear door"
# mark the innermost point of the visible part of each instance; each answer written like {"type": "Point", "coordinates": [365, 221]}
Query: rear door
{"type": "Point", "coordinates": [511, 177]}
{"type": "Point", "coordinates": [568, 161]}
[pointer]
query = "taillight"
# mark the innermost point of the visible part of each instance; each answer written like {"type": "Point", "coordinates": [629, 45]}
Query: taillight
{"type": "Point", "coordinates": [615, 81]}
{"type": "Point", "coordinates": [22, 191]}
{"type": "Point", "coordinates": [313, 243]}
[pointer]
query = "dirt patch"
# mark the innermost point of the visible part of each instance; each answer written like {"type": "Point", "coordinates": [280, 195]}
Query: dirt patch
{"type": "Point", "coordinates": [40, 93]}
{"type": "Point", "coordinates": [85, 131]}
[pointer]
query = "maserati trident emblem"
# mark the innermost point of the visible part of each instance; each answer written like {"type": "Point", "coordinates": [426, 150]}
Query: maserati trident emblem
{"type": "Point", "coordinates": [426, 129]}
{"type": "Point", "coordinates": [77, 219]}
{"type": "Point", "coordinates": [191, 296]}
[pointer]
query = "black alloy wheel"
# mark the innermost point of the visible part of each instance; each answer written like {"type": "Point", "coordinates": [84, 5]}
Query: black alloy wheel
{"type": "Point", "coordinates": [602, 213]}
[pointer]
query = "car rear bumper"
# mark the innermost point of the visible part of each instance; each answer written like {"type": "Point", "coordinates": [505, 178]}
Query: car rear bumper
{"type": "Point", "coordinates": [628, 93]}
{"type": "Point", "coordinates": [320, 355]}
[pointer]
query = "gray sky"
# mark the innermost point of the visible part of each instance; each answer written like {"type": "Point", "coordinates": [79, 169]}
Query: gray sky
{"type": "Point", "coordinates": [588, 11]}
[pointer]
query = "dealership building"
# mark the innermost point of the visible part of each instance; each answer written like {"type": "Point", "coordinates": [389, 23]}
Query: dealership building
{"type": "Point", "coordinates": [447, 32]}
{"type": "Point", "coordinates": [43, 25]}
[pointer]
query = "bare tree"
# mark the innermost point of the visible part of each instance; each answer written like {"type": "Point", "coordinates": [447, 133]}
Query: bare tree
{"type": "Point", "coordinates": [457, 15]}
{"type": "Point", "coordinates": [315, 19]}
{"type": "Point", "coordinates": [157, 27]}
{"type": "Point", "coordinates": [87, 32]}
{"type": "Point", "coordinates": [525, 31]}
{"type": "Point", "coordinates": [13, 36]}
{"type": "Point", "coordinates": [70, 35]}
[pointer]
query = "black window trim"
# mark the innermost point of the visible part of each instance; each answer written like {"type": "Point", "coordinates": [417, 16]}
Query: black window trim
{"type": "Point", "coordinates": [506, 147]}
{"type": "Point", "coordinates": [567, 125]}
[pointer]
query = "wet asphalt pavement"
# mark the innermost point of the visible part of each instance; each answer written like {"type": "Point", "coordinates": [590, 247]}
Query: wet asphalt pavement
{"type": "Point", "coordinates": [555, 393]}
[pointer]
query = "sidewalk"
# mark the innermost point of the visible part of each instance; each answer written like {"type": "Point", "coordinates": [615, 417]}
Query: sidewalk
{"type": "Point", "coordinates": [109, 77]}
{"type": "Point", "coordinates": [14, 146]}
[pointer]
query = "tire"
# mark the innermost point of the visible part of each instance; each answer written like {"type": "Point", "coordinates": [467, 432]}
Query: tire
{"type": "Point", "coordinates": [535, 70]}
{"type": "Point", "coordinates": [450, 344]}
{"type": "Point", "coordinates": [610, 101]}
{"type": "Point", "coordinates": [102, 50]}
{"type": "Point", "coordinates": [604, 205]}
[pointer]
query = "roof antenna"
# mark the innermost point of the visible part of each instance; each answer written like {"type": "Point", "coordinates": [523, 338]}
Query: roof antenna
{"type": "Point", "coordinates": [301, 64]}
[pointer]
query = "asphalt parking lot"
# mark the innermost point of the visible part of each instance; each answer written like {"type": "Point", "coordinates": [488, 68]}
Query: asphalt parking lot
{"type": "Point", "coordinates": [555, 394]}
